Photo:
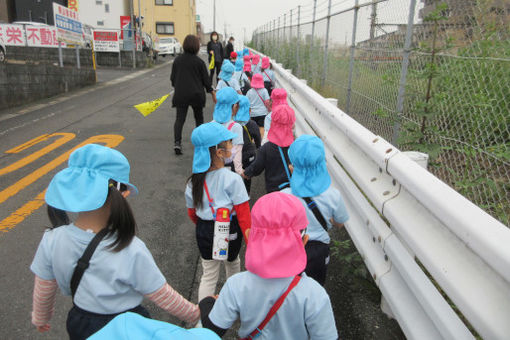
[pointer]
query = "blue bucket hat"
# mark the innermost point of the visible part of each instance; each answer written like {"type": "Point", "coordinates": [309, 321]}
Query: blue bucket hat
{"type": "Point", "coordinates": [127, 326]}
{"type": "Point", "coordinates": [227, 69]}
{"type": "Point", "coordinates": [83, 185]}
{"type": "Point", "coordinates": [239, 64]}
{"type": "Point", "coordinates": [225, 98]}
{"type": "Point", "coordinates": [243, 114]}
{"type": "Point", "coordinates": [246, 51]}
{"type": "Point", "coordinates": [203, 137]}
{"type": "Point", "coordinates": [310, 176]}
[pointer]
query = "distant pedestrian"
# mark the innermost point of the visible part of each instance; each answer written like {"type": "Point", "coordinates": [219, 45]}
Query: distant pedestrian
{"type": "Point", "coordinates": [229, 48]}
{"type": "Point", "coordinates": [268, 74]}
{"type": "Point", "coordinates": [215, 48]}
{"type": "Point", "coordinates": [189, 79]}
{"type": "Point", "coordinates": [97, 259]}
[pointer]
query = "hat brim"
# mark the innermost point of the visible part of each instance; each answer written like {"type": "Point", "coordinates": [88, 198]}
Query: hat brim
{"type": "Point", "coordinates": [77, 190]}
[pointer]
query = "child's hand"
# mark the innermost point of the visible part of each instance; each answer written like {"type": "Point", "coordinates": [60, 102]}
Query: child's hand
{"type": "Point", "coordinates": [291, 168]}
{"type": "Point", "coordinates": [44, 328]}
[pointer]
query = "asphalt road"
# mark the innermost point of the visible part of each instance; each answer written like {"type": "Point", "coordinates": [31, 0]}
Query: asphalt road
{"type": "Point", "coordinates": [107, 109]}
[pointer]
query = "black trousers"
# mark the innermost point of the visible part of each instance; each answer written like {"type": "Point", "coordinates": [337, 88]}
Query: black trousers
{"type": "Point", "coordinates": [317, 256]}
{"type": "Point", "coordinates": [81, 324]}
{"type": "Point", "coordinates": [182, 112]}
{"type": "Point", "coordinates": [217, 67]}
{"type": "Point", "coordinates": [205, 236]}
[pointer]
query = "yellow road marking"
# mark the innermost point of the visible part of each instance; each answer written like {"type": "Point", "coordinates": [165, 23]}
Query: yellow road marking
{"type": "Point", "coordinates": [108, 140]}
{"type": "Point", "coordinates": [28, 208]}
{"type": "Point", "coordinates": [65, 137]}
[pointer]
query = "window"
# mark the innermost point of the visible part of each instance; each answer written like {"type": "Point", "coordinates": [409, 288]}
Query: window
{"type": "Point", "coordinates": [100, 23]}
{"type": "Point", "coordinates": [106, 8]}
{"type": "Point", "coordinates": [165, 27]}
{"type": "Point", "coordinates": [165, 2]}
{"type": "Point", "coordinates": [99, 2]}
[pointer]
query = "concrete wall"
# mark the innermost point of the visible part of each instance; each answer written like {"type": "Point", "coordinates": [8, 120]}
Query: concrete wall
{"type": "Point", "coordinates": [22, 84]}
{"type": "Point", "coordinates": [112, 59]}
{"type": "Point", "coordinates": [41, 55]}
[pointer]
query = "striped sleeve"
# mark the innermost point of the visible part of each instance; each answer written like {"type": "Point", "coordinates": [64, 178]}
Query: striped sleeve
{"type": "Point", "coordinates": [45, 292]}
{"type": "Point", "coordinates": [174, 303]}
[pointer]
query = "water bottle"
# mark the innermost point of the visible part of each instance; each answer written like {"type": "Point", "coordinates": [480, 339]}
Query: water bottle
{"type": "Point", "coordinates": [221, 234]}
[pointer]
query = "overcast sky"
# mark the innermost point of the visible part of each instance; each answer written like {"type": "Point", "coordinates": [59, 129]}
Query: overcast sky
{"type": "Point", "coordinates": [242, 16]}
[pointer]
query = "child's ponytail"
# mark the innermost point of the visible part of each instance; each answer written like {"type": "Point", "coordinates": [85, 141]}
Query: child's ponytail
{"type": "Point", "coordinates": [121, 222]}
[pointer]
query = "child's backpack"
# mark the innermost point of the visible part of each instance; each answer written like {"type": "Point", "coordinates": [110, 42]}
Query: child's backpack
{"type": "Point", "coordinates": [249, 148]}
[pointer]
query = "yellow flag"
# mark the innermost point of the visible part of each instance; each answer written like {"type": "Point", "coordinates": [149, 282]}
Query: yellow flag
{"type": "Point", "coordinates": [149, 107]}
{"type": "Point", "coordinates": [211, 64]}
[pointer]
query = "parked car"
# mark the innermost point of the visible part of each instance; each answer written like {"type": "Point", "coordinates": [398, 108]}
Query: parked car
{"type": "Point", "coordinates": [3, 51]}
{"type": "Point", "coordinates": [169, 46]}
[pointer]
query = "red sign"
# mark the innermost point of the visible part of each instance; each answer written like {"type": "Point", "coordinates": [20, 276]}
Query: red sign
{"type": "Point", "coordinates": [124, 21]}
{"type": "Point", "coordinates": [105, 36]}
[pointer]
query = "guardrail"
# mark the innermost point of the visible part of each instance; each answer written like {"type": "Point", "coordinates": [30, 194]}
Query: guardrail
{"type": "Point", "coordinates": [406, 222]}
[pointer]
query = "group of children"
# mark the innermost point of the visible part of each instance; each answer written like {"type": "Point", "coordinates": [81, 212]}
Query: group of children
{"type": "Point", "coordinates": [98, 260]}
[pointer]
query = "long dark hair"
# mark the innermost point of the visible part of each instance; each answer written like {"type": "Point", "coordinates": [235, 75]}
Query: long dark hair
{"type": "Point", "coordinates": [121, 221]}
{"type": "Point", "coordinates": [198, 180]}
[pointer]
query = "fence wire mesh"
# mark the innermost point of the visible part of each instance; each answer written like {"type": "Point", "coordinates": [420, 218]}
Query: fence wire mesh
{"type": "Point", "coordinates": [427, 75]}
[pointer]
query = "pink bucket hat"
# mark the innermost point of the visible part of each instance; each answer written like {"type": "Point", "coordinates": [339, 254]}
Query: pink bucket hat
{"type": "Point", "coordinates": [265, 63]}
{"type": "Point", "coordinates": [275, 248]}
{"type": "Point", "coordinates": [256, 59]}
{"type": "Point", "coordinates": [257, 82]}
{"type": "Point", "coordinates": [247, 63]}
{"type": "Point", "coordinates": [282, 121]}
{"type": "Point", "coordinates": [279, 97]}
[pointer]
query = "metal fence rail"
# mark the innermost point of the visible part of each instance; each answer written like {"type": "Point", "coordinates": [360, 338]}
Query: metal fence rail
{"type": "Point", "coordinates": [412, 230]}
{"type": "Point", "coordinates": [375, 56]}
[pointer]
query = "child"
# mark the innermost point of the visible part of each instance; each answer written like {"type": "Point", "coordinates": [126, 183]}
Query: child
{"type": "Point", "coordinates": [129, 326]}
{"type": "Point", "coordinates": [272, 156]}
{"type": "Point", "coordinates": [212, 186]}
{"type": "Point", "coordinates": [226, 108]}
{"type": "Point", "coordinates": [255, 62]}
{"type": "Point", "coordinates": [268, 74]}
{"type": "Point", "coordinates": [97, 260]}
{"type": "Point", "coordinates": [275, 260]}
{"type": "Point", "coordinates": [324, 206]}
{"type": "Point", "coordinates": [251, 135]}
{"type": "Point", "coordinates": [240, 76]}
{"type": "Point", "coordinates": [247, 73]}
{"type": "Point", "coordinates": [233, 57]}
{"type": "Point", "coordinates": [259, 101]}
{"type": "Point", "coordinates": [227, 70]}
{"type": "Point", "coordinates": [278, 97]}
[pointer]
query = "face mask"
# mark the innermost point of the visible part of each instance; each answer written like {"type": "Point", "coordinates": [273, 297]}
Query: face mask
{"type": "Point", "coordinates": [214, 37]}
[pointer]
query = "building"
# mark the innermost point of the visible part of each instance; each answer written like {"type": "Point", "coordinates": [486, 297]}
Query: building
{"type": "Point", "coordinates": [102, 14]}
{"type": "Point", "coordinates": [28, 10]}
{"type": "Point", "coordinates": [167, 18]}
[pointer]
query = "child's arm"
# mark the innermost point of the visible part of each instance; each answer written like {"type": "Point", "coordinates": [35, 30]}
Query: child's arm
{"type": "Point", "coordinates": [258, 165]}
{"type": "Point", "coordinates": [174, 303]}
{"type": "Point", "coordinates": [206, 305]}
{"type": "Point", "coordinates": [336, 224]}
{"type": "Point", "coordinates": [192, 213]}
{"type": "Point", "coordinates": [244, 217]}
{"type": "Point", "coordinates": [45, 292]}
{"type": "Point", "coordinates": [237, 150]}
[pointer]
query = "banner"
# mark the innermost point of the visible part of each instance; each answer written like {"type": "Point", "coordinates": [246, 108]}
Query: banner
{"type": "Point", "coordinates": [38, 36]}
{"type": "Point", "coordinates": [12, 35]}
{"type": "Point", "coordinates": [68, 24]}
{"type": "Point", "coordinates": [106, 41]}
{"type": "Point", "coordinates": [125, 21]}
{"type": "Point", "coordinates": [149, 107]}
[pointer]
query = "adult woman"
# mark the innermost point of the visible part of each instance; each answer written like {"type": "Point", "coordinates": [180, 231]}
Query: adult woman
{"type": "Point", "coordinates": [215, 47]}
{"type": "Point", "coordinates": [189, 79]}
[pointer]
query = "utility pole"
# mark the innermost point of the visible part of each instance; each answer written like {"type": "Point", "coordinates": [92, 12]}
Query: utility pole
{"type": "Point", "coordinates": [140, 23]}
{"type": "Point", "coordinates": [132, 11]}
{"type": "Point", "coordinates": [214, 16]}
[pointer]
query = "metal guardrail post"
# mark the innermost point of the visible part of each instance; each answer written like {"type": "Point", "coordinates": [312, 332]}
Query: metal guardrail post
{"type": "Point", "coordinates": [351, 61]}
{"type": "Point", "coordinates": [403, 73]}
{"type": "Point", "coordinates": [60, 57]}
{"type": "Point", "coordinates": [325, 66]}
{"type": "Point", "coordinates": [298, 41]}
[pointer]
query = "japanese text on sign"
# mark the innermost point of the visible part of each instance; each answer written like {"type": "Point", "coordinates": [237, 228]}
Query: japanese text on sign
{"type": "Point", "coordinates": [67, 21]}
{"type": "Point", "coordinates": [12, 35]}
{"type": "Point", "coordinates": [106, 41]}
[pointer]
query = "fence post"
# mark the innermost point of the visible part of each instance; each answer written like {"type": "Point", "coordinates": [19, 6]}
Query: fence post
{"type": "Point", "coordinates": [313, 23]}
{"type": "Point", "coordinates": [298, 41]}
{"type": "Point", "coordinates": [60, 58]}
{"type": "Point", "coordinates": [284, 35]}
{"type": "Point", "coordinates": [403, 73]}
{"type": "Point", "coordinates": [351, 61]}
{"type": "Point", "coordinates": [311, 64]}
{"type": "Point", "coordinates": [77, 48]}
{"type": "Point", "coordinates": [278, 38]}
{"type": "Point", "coordinates": [325, 66]}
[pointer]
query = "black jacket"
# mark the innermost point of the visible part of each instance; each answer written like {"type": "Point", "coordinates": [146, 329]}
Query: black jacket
{"type": "Point", "coordinates": [268, 158]}
{"type": "Point", "coordinates": [189, 78]}
{"type": "Point", "coordinates": [228, 49]}
{"type": "Point", "coordinates": [218, 57]}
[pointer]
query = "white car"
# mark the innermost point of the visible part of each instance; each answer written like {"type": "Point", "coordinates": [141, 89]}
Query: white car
{"type": "Point", "coordinates": [3, 51]}
{"type": "Point", "coordinates": [169, 46]}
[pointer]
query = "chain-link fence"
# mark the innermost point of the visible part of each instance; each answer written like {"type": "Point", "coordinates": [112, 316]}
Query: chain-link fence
{"type": "Point", "coordinates": [427, 75]}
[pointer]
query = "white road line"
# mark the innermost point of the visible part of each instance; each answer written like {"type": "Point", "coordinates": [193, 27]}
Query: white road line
{"type": "Point", "coordinates": [27, 123]}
